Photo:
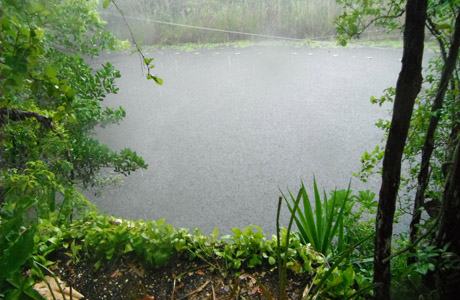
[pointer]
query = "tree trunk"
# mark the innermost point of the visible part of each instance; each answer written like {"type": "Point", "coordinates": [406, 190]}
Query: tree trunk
{"type": "Point", "coordinates": [407, 89]}
{"type": "Point", "coordinates": [448, 280]}
{"type": "Point", "coordinates": [428, 145]}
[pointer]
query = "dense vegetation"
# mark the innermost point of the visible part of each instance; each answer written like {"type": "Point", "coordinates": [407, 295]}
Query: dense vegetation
{"type": "Point", "coordinates": [51, 100]}
{"type": "Point", "coordinates": [424, 134]}
{"type": "Point", "coordinates": [292, 19]}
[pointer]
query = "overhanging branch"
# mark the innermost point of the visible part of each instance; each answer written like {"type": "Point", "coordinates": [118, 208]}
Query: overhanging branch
{"type": "Point", "coordinates": [21, 115]}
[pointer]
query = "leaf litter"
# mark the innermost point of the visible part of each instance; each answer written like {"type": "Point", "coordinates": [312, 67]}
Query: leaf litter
{"type": "Point", "coordinates": [128, 278]}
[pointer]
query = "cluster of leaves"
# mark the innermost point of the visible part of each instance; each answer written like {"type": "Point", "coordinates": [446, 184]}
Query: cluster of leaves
{"type": "Point", "coordinates": [340, 227]}
{"type": "Point", "coordinates": [360, 15]}
{"type": "Point", "coordinates": [59, 86]}
{"type": "Point", "coordinates": [50, 102]}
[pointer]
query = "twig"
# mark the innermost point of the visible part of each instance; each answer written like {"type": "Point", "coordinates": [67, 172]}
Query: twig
{"type": "Point", "coordinates": [145, 61]}
{"type": "Point", "coordinates": [235, 286]}
{"type": "Point", "coordinates": [197, 290]}
{"type": "Point", "coordinates": [410, 246]}
{"type": "Point", "coordinates": [174, 288]}
{"type": "Point", "coordinates": [182, 274]}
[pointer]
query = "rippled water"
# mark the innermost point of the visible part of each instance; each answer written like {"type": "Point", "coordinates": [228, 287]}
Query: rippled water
{"type": "Point", "coordinates": [232, 126]}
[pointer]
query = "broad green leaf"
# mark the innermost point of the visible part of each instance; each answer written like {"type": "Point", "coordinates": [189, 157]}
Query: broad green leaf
{"type": "Point", "coordinates": [336, 281]}
{"type": "Point", "coordinates": [443, 26]}
{"type": "Point", "coordinates": [147, 61]}
{"type": "Point", "coordinates": [70, 94]}
{"type": "Point", "coordinates": [158, 80]}
{"type": "Point", "coordinates": [17, 253]}
{"type": "Point", "coordinates": [58, 116]}
{"type": "Point", "coordinates": [105, 3]}
{"type": "Point", "coordinates": [39, 33]}
{"type": "Point", "coordinates": [50, 72]}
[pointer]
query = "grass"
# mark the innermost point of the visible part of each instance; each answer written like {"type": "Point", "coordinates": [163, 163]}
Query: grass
{"type": "Point", "coordinates": [289, 18]}
{"type": "Point", "coordinates": [190, 47]}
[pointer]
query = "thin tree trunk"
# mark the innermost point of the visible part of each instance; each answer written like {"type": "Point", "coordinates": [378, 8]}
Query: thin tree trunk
{"type": "Point", "coordinates": [447, 280]}
{"type": "Point", "coordinates": [407, 89]}
{"type": "Point", "coordinates": [428, 145]}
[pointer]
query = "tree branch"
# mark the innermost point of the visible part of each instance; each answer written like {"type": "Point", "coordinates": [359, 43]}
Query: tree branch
{"type": "Point", "coordinates": [21, 115]}
{"type": "Point", "coordinates": [388, 16]}
{"type": "Point", "coordinates": [437, 34]}
{"type": "Point", "coordinates": [413, 244]}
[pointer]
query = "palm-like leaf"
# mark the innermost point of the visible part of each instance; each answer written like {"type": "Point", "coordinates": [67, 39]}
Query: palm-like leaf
{"type": "Point", "coordinates": [321, 227]}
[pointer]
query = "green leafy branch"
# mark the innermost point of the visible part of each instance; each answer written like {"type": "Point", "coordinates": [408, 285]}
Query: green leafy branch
{"type": "Point", "coordinates": [147, 61]}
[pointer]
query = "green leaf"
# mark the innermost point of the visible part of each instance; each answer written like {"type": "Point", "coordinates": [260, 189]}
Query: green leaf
{"type": "Point", "coordinates": [39, 33]}
{"type": "Point", "coordinates": [36, 7]}
{"type": "Point", "coordinates": [308, 211]}
{"type": "Point", "coordinates": [158, 80]}
{"type": "Point", "coordinates": [58, 116]}
{"type": "Point", "coordinates": [147, 61]}
{"type": "Point", "coordinates": [319, 216]}
{"type": "Point", "coordinates": [50, 72]}
{"type": "Point", "coordinates": [4, 102]}
{"type": "Point", "coordinates": [349, 275]}
{"type": "Point", "coordinates": [105, 3]}
{"type": "Point", "coordinates": [98, 264]}
{"type": "Point", "coordinates": [443, 26]}
{"type": "Point", "coordinates": [336, 281]}
{"type": "Point", "coordinates": [70, 94]}
{"type": "Point", "coordinates": [254, 261]}
{"type": "Point", "coordinates": [215, 232]}
{"type": "Point", "coordinates": [17, 253]}
{"type": "Point", "coordinates": [128, 248]}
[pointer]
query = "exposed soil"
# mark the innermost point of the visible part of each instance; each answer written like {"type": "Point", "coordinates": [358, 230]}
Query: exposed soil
{"type": "Point", "coordinates": [128, 278]}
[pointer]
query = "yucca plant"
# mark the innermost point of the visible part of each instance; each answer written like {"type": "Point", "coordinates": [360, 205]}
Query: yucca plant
{"type": "Point", "coordinates": [324, 225]}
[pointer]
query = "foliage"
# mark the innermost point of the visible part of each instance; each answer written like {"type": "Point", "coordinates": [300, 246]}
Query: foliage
{"type": "Point", "coordinates": [360, 15]}
{"type": "Point", "coordinates": [100, 238]}
{"type": "Point", "coordinates": [441, 19]}
{"type": "Point", "coordinates": [433, 135]}
{"type": "Point", "coordinates": [30, 193]}
{"type": "Point", "coordinates": [57, 85]}
{"type": "Point", "coordinates": [338, 229]}
{"type": "Point", "coordinates": [341, 276]}
{"type": "Point", "coordinates": [325, 224]}
{"type": "Point", "coordinates": [50, 102]}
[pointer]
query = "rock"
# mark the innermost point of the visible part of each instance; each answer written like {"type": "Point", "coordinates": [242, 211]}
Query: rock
{"type": "Point", "coordinates": [43, 289]}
